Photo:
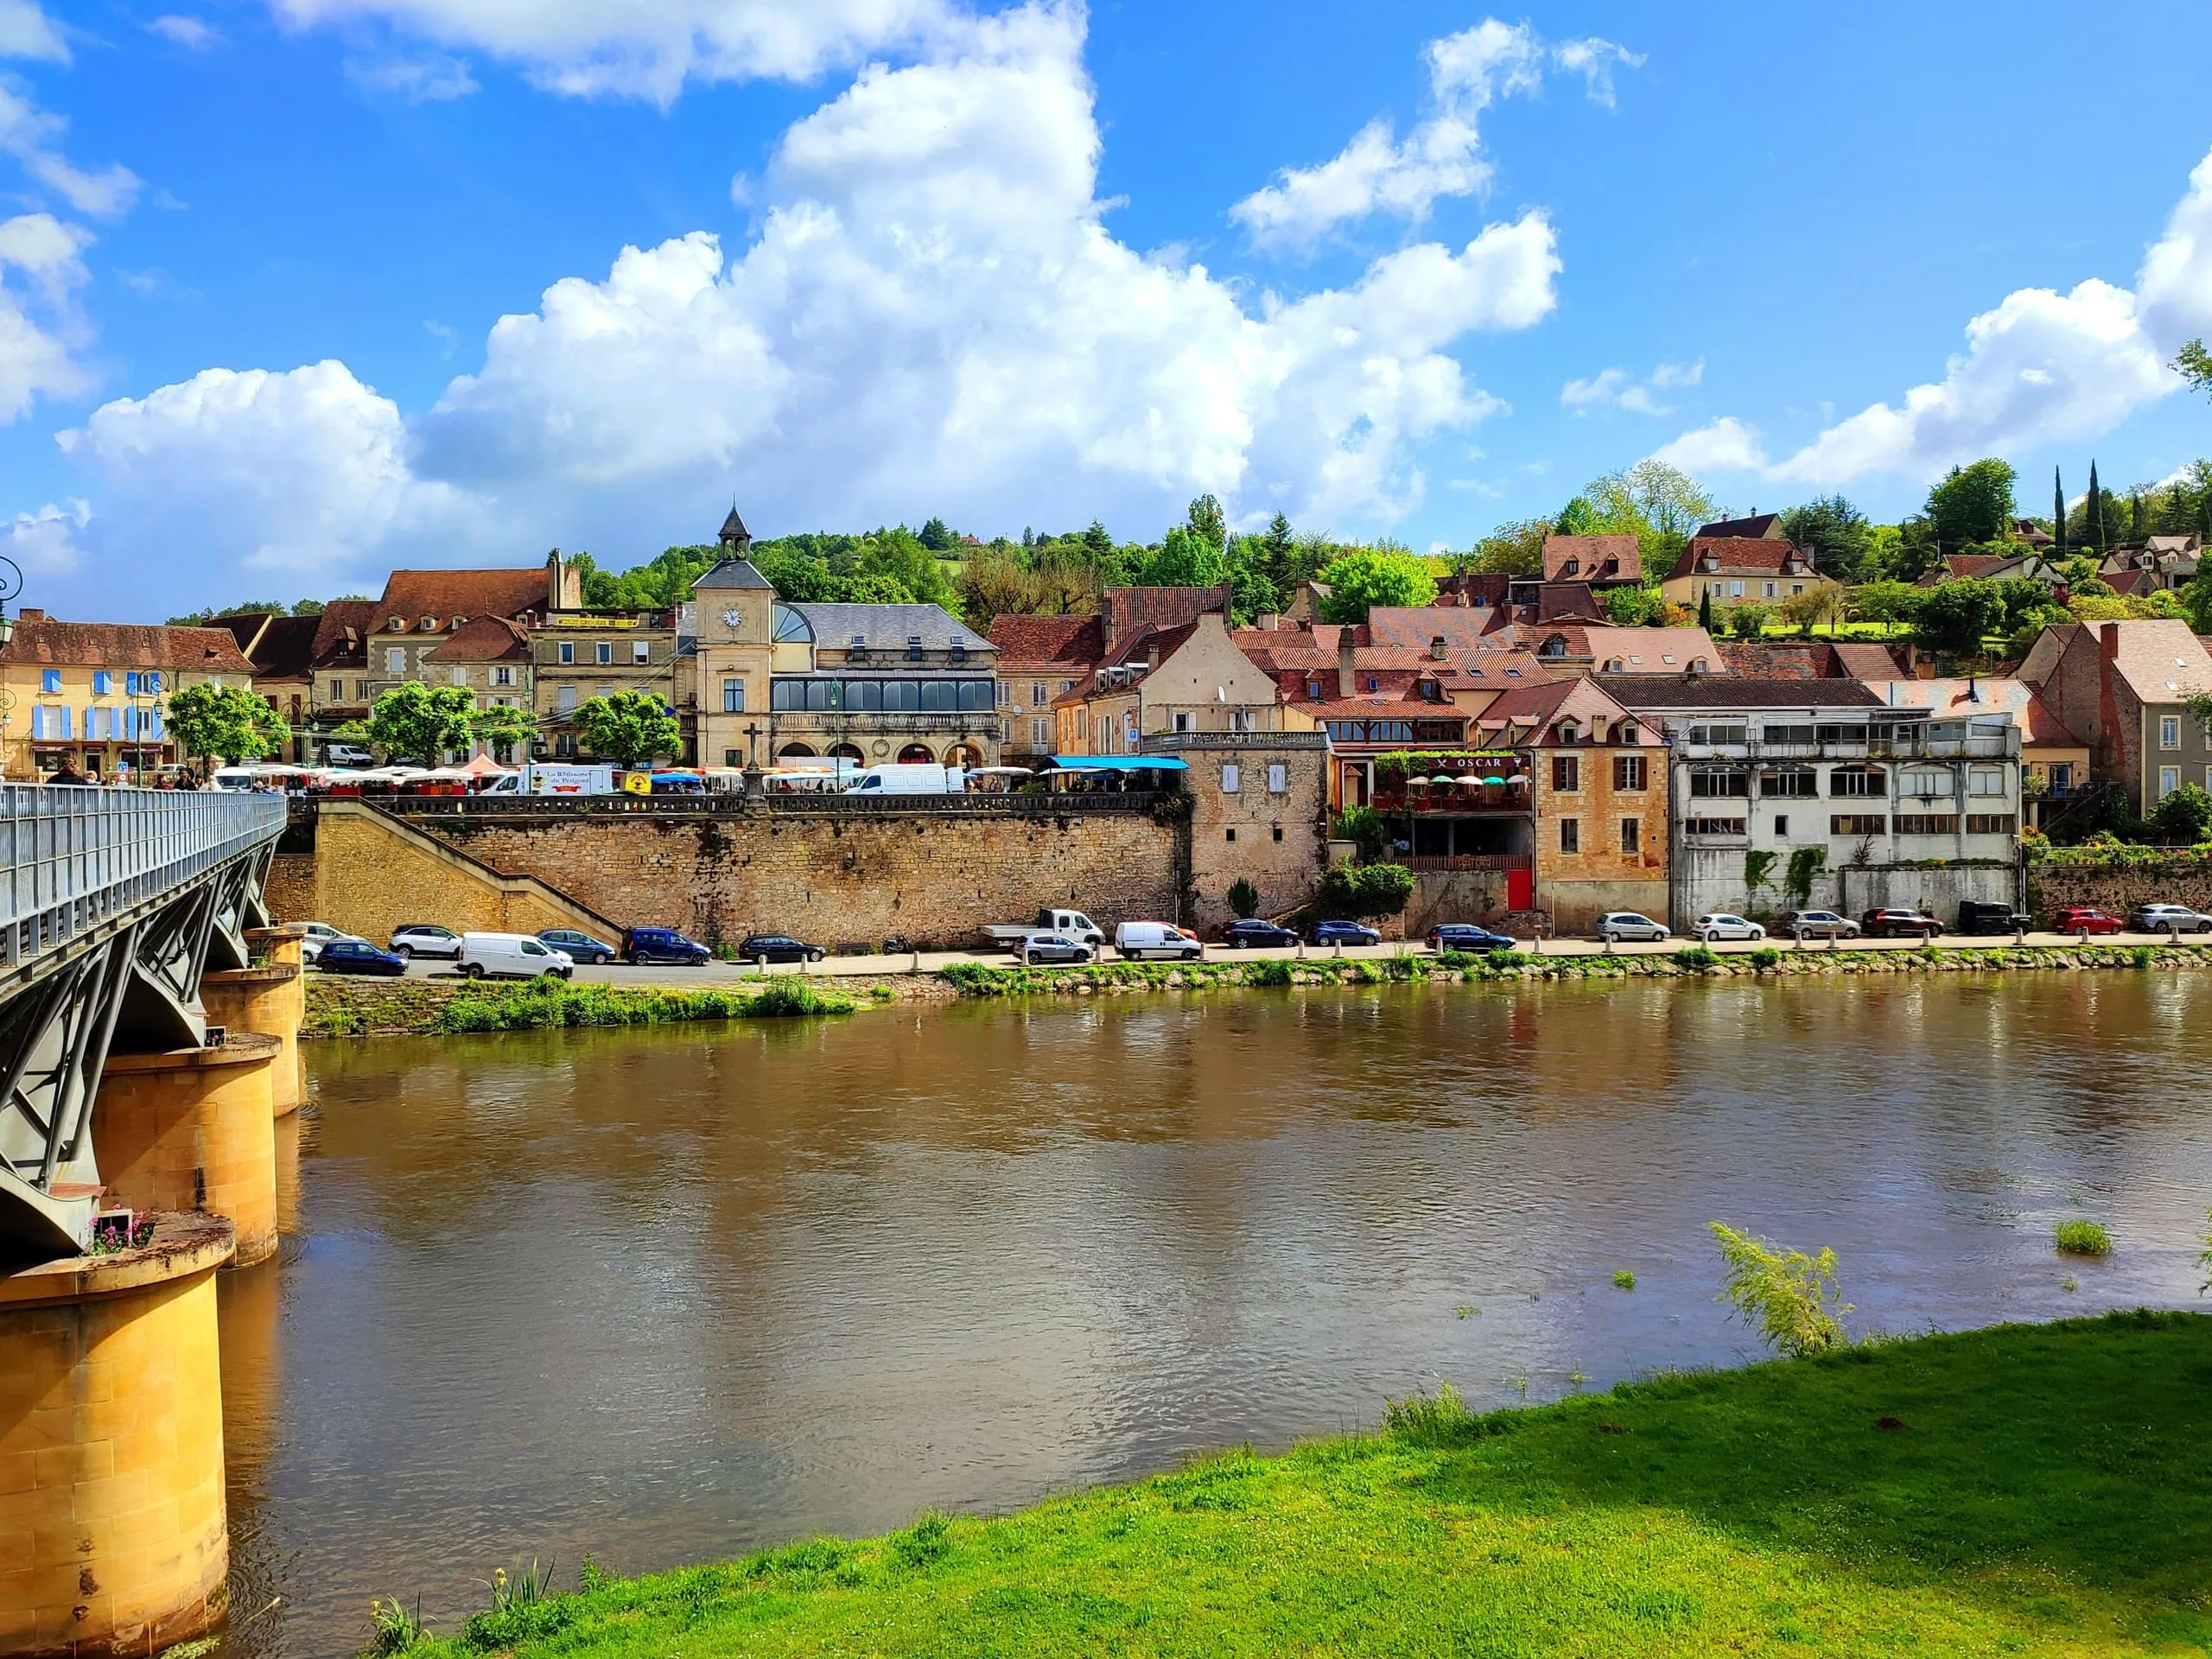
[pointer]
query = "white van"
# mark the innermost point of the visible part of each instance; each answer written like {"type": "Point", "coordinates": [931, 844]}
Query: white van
{"type": "Point", "coordinates": [517, 955]}
{"type": "Point", "coordinates": [909, 781]}
{"type": "Point", "coordinates": [1134, 941]}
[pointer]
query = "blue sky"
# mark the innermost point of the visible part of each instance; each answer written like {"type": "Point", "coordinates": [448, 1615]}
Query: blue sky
{"type": "Point", "coordinates": [1410, 269]}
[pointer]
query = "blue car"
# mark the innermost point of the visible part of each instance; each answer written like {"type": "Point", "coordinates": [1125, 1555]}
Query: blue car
{"type": "Point", "coordinates": [578, 947]}
{"type": "Point", "coordinates": [1466, 936]}
{"type": "Point", "coordinates": [1344, 933]}
{"type": "Point", "coordinates": [359, 956]}
{"type": "Point", "coordinates": [646, 945]}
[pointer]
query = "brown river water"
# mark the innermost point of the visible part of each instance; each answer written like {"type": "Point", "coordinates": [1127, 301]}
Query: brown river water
{"type": "Point", "coordinates": [668, 1296]}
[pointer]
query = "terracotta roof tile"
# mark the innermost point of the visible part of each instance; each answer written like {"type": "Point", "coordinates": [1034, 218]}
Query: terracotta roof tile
{"type": "Point", "coordinates": [1738, 556]}
{"type": "Point", "coordinates": [1596, 558]}
{"type": "Point", "coordinates": [1066, 642]}
{"type": "Point", "coordinates": [445, 595]}
{"type": "Point", "coordinates": [124, 645]}
{"type": "Point", "coordinates": [482, 639]}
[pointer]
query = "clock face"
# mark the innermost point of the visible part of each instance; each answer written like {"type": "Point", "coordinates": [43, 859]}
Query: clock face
{"type": "Point", "coordinates": [731, 618]}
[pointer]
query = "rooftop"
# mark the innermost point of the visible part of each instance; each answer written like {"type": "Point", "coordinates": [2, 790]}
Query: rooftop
{"type": "Point", "coordinates": [1687, 692]}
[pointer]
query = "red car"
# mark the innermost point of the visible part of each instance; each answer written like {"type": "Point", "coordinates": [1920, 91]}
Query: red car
{"type": "Point", "coordinates": [1899, 921]}
{"type": "Point", "coordinates": [2083, 918]}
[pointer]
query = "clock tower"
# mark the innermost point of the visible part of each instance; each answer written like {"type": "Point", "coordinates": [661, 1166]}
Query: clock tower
{"type": "Point", "coordinates": [733, 608]}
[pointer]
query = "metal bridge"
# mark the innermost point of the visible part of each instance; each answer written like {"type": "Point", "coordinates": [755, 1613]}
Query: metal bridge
{"type": "Point", "coordinates": [112, 903]}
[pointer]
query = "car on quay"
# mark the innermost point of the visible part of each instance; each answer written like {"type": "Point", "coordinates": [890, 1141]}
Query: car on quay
{"type": "Point", "coordinates": [1817, 924]}
{"type": "Point", "coordinates": [1898, 922]}
{"type": "Point", "coordinates": [1721, 926]}
{"type": "Point", "coordinates": [1134, 941]}
{"type": "Point", "coordinates": [359, 956]}
{"type": "Point", "coordinates": [426, 939]}
{"type": "Point", "coordinates": [778, 947]}
{"type": "Point", "coordinates": [2083, 918]}
{"type": "Point", "coordinates": [578, 946]}
{"type": "Point", "coordinates": [320, 934]}
{"type": "Point", "coordinates": [1466, 936]}
{"type": "Point", "coordinates": [1981, 917]}
{"type": "Point", "coordinates": [1054, 947]}
{"type": "Point", "coordinates": [1252, 932]}
{"type": "Point", "coordinates": [512, 956]}
{"type": "Point", "coordinates": [642, 946]}
{"type": "Point", "coordinates": [1344, 933]}
{"type": "Point", "coordinates": [2170, 920]}
{"type": "Point", "coordinates": [1616, 924]}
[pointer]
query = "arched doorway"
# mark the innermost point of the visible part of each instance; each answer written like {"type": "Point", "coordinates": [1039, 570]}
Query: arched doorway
{"type": "Point", "coordinates": [847, 751]}
{"type": "Point", "coordinates": [963, 754]}
{"type": "Point", "coordinates": [795, 752]}
{"type": "Point", "coordinates": [916, 755]}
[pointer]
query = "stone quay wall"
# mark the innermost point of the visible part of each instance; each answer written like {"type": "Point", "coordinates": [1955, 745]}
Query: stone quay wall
{"type": "Point", "coordinates": [2118, 888]}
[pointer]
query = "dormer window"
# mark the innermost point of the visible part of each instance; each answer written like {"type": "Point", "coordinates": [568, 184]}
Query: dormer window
{"type": "Point", "coordinates": [1615, 665]}
{"type": "Point", "coordinates": [1572, 567]}
{"type": "Point", "coordinates": [1314, 690]}
{"type": "Point", "coordinates": [1429, 691]}
{"type": "Point", "coordinates": [959, 651]}
{"type": "Point", "coordinates": [1374, 684]}
{"type": "Point", "coordinates": [459, 621]}
{"type": "Point", "coordinates": [429, 625]}
{"type": "Point", "coordinates": [1555, 646]}
{"type": "Point", "coordinates": [1482, 601]}
{"type": "Point", "coordinates": [395, 623]}
{"type": "Point", "coordinates": [1569, 731]}
{"type": "Point", "coordinates": [1708, 561]}
{"type": "Point", "coordinates": [913, 647]}
{"type": "Point", "coordinates": [858, 650]}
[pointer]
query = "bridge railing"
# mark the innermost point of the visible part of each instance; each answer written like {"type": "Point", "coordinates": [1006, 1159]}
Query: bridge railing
{"type": "Point", "coordinates": [73, 857]}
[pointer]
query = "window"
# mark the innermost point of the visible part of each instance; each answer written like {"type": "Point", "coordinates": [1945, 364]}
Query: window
{"type": "Point", "coordinates": [1232, 778]}
{"type": "Point", "coordinates": [1780, 824]}
{"type": "Point", "coordinates": [503, 675]}
{"type": "Point", "coordinates": [360, 688]}
{"type": "Point", "coordinates": [1037, 697]}
{"type": "Point", "coordinates": [1795, 588]}
{"type": "Point", "coordinates": [130, 685]}
{"type": "Point", "coordinates": [1374, 684]}
{"type": "Point", "coordinates": [1925, 783]}
{"type": "Point", "coordinates": [1711, 783]}
{"type": "Point", "coordinates": [103, 682]}
{"type": "Point", "coordinates": [567, 650]}
{"type": "Point", "coordinates": [1985, 780]}
{"type": "Point", "coordinates": [1182, 721]}
{"type": "Point", "coordinates": [641, 650]}
{"type": "Point", "coordinates": [1990, 823]}
{"type": "Point", "coordinates": [1278, 784]}
{"type": "Point", "coordinates": [460, 677]}
{"type": "Point", "coordinates": [2169, 780]}
{"type": "Point", "coordinates": [1855, 781]}
{"type": "Point", "coordinates": [1857, 824]}
{"type": "Point", "coordinates": [729, 757]}
{"type": "Point", "coordinates": [49, 679]}
{"type": "Point", "coordinates": [394, 661]}
{"type": "Point", "coordinates": [1927, 823]}
{"type": "Point", "coordinates": [1567, 773]}
{"type": "Point", "coordinates": [1713, 826]}
{"type": "Point", "coordinates": [565, 699]}
{"type": "Point", "coordinates": [1720, 736]}
{"type": "Point", "coordinates": [606, 651]}
{"type": "Point", "coordinates": [1628, 771]}
{"type": "Point", "coordinates": [1712, 588]}
{"type": "Point", "coordinates": [1278, 832]}
{"type": "Point", "coordinates": [1040, 733]}
{"type": "Point", "coordinates": [1735, 590]}
{"type": "Point", "coordinates": [733, 697]}
{"type": "Point", "coordinates": [1570, 835]}
{"type": "Point", "coordinates": [1786, 733]}
{"type": "Point", "coordinates": [1232, 832]}
{"type": "Point", "coordinates": [913, 647]}
{"type": "Point", "coordinates": [1569, 731]}
{"type": "Point", "coordinates": [1314, 690]}
{"type": "Point", "coordinates": [1767, 590]}
{"type": "Point", "coordinates": [824, 696]}
{"type": "Point", "coordinates": [2170, 731]}
{"type": "Point", "coordinates": [1789, 783]}
{"type": "Point", "coordinates": [1631, 837]}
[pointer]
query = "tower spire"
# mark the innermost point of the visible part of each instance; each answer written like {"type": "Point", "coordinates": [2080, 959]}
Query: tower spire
{"type": "Point", "coordinates": [735, 536]}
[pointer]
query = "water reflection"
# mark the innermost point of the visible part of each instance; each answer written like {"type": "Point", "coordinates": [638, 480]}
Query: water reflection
{"type": "Point", "coordinates": [670, 1295]}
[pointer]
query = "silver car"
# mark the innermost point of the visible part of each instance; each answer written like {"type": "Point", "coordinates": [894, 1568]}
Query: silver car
{"type": "Point", "coordinates": [1819, 924]}
{"type": "Point", "coordinates": [1629, 924]}
{"type": "Point", "coordinates": [1721, 926]}
{"type": "Point", "coordinates": [2170, 920]}
{"type": "Point", "coordinates": [1054, 947]}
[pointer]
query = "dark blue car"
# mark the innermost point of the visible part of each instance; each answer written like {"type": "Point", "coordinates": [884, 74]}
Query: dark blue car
{"type": "Point", "coordinates": [1244, 935]}
{"type": "Point", "coordinates": [359, 956]}
{"type": "Point", "coordinates": [1344, 933]}
{"type": "Point", "coordinates": [662, 944]}
{"type": "Point", "coordinates": [1466, 936]}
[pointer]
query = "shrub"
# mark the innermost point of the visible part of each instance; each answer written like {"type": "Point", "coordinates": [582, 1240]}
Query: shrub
{"type": "Point", "coordinates": [1272, 972]}
{"type": "Point", "coordinates": [394, 1627]}
{"type": "Point", "coordinates": [2082, 1238]}
{"type": "Point", "coordinates": [1696, 958]}
{"type": "Point", "coordinates": [1789, 1297]}
{"type": "Point", "coordinates": [1805, 864]}
{"type": "Point", "coordinates": [1366, 829]}
{"type": "Point", "coordinates": [1623, 1280]}
{"type": "Point", "coordinates": [1765, 958]}
{"type": "Point", "coordinates": [1427, 1419]}
{"type": "Point", "coordinates": [1365, 890]}
{"type": "Point", "coordinates": [1243, 898]}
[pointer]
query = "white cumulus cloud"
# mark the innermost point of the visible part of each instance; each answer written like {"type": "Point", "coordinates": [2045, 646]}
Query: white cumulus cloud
{"type": "Point", "coordinates": [27, 32]}
{"type": "Point", "coordinates": [1376, 172]}
{"type": "Point", "coordinates": [44, 542]}
{"type": "Point", "coordinates": [194, 34]}
{"type": "Point", "coordinates": [41, 265]}
{"type": "Point", "coordinates": [429, 79]}
{"type": "Point", "coordinates": [933, 319]}
{"type": "Point", "coordinates": [1723, 446]}
{"type": "Point", "coordinates": [1618, 389]}
{"type": "Point", "coordinates": [27, 133]}
{"type": "Point", "coordinates": [649, 48]}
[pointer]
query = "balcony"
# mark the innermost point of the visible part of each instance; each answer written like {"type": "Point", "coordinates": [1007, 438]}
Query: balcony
{"type": "Point", "coordinates": [1993, 745]}
{"type": "Point", "coordinates": [1453, 799]}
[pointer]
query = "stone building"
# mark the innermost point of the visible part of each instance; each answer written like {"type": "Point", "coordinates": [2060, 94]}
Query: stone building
{"type": "Point", "coordinates": [575, 656]}
{"type": "Point", "coordinates": [92, 694]}
{"type": "Point", "coordinates": [1731, 571]}
{"type": "Point", "coordinates": [2124, 687]}
{"type": "Point", "coordinates": [1258, 813]}
{"type": "Point", "coordinates": [1168, 681]}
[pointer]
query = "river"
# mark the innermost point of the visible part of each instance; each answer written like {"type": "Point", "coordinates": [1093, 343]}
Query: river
{"type": "Point", "coordinates": [671, 1295]}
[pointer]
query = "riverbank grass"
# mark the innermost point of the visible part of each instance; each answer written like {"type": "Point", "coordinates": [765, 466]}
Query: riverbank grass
{"type": "Point", "coordinates": [433, 1007]}
{"type": "Point", "coordinates": [2024, 1489]}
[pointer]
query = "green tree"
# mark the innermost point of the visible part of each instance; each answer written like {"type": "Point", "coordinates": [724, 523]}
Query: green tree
{"type": "Point", "coordinates": [1363, 890]}
{"type": "Point", "coordinates": [420, 722]}
{"type": "Point", "coordinates": [2184, 818]}
{"type": "Point", "coordinates": [1366, 577]}
{"type": "Point", "coordinates": [1249, 574]}
{"type": "Point", "coordinates": [1834, 532]}
{"type": "Point", "coordinates": [1515, 549]}
{"type": "Point", "coordinates": [1974, 503]}
{"type": "Point", "coordinates": [1705, 610]}
{"type": "Point", "coordinates": [2093, 508]}
{"type": "Point", "coordinates": [1184, 559]}
{"type": "Point", "coordinates": [1243, 898]}
{"type": "Point", "coordinates": [2196, 599]}
{"type": "Point", "coordinates": [1748, 620]}
{"type": "Point", "coordinates": [1577, 517]}
{"type": "Point", "coordinates": [629, 727]}
{"type": "Point", "coordinates": [1204, 518]}
{"type": "Point", "coordinates": [1636, 607]}
{"type": "Point", "coordinates": [1955, 615]}
{"type": "Point", "coordinates": [938, 537]}
{"type": "Point", "coordinates": [1661, 505]}
{"type": "Point", "coordinates": [2057, 550]}
{"type": "Point", "coordinates": [228, 723]}
{"type": "Point", "coordinates": [2196, 366]}
{"type": "Point", "coordinates": [1886, 602]}
{"type": "Point", "coordinates": [898, 556]}
{"type": "Point", "coordinates": [504, 726]}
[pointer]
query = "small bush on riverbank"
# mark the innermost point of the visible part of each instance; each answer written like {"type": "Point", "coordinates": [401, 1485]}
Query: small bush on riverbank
{"type": "Point", "coordinates": [1787, 1297]}
{"type": "Point", "coordinates": [1429, 1420]}
{"type": "Point", "coordinates": [2044, 1496]}
{"type": "Point", "coordinates": [2082, 1238]}
{"type": "Point", "coordinates": [437, 1009]}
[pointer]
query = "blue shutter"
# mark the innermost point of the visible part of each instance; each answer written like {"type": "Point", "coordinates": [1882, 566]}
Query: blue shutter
{"type": "Point", "coordinates": [154, 725]}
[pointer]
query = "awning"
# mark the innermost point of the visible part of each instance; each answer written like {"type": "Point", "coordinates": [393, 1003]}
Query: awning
{"type": "Point", "coordinates": [1118, 763]}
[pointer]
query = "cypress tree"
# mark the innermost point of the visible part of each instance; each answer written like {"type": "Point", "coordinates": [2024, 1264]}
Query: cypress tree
{"type": "Point", "coordinates": [1705, 610]}
{"type": "Point", "coordinates": [2058, 516]}
{"type": "Point", "coordinates": [2095, 528]}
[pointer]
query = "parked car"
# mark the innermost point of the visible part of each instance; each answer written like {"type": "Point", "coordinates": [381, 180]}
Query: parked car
{"type": "Point", "coordinates": [1251, 932]}
{"type": "Point", "coordinates": [319, 934]}
{"type": "Point", "coordinates": [1817, 924]}
{"type": "Point", "coordinates": [1898, 922]}
{"type": "Point", "coordinates": [2170, 919]}
{"type": "Point", "coordinates": [778, 947]}
{"type": "Point", "coordinates": [1344, 933]}
{"type": "Point", "coordinates": [347, 754]}
{"type": "Point", "coordinates": [1979, 916]}
{"type": "Point", "coordinates": [358, 956]}
{"type": "Point", "coordinates": [645, 944]}
{"type": "Point", "coordinates": [1721, 926]}
{"type": "Point", "coordinates": [1466, 936]}
{"type": "Point", "coordinates": [1054, 947]}
{"type": "Point", "coordinates": [2083, 918]}
{"type": "Point", "coordinates": [1616, 924]}
{"type": "Point", "coordinates": [426, 939]}
{"type": "Point", "coordinates": [580, 947]}
{"type": "Point", "coordinates": [512, 956]}
{"type": "Point", "coordinates": [1008, 935]}
{"type": "Point", "coordinates": [1134, 941]}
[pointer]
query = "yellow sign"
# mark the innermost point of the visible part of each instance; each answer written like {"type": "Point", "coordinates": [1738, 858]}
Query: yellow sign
{"type": "Point", "coordinates": [638, 783]}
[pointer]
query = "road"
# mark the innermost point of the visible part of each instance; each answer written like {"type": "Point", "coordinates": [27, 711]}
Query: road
{"type": "Point", "coordinates": [876, 967]}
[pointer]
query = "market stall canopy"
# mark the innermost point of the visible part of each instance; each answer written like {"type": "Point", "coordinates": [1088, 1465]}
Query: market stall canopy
{"type": "Point", "coordinates": [1118, 763]}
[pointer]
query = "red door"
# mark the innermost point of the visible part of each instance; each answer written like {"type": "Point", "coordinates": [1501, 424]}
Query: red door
{"type": "Point", "coordinates": [1521, 889]}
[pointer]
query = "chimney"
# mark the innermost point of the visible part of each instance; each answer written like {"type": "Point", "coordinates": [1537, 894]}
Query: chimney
{"type": "Point", "coordinates": [30, 613]}
{"type": "Point", "coordinates": [1151, 656]}
{"type": "Point", "coordinates": [1436, 648]}
{"type": "Point", "coordinates": [1267, 622]}
{"type": "Point", "coordinates": [1346, 679]}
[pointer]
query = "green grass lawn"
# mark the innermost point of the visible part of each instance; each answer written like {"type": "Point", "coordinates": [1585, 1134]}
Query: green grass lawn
{"type": "Point", "coordinates": [2041, 1488]}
